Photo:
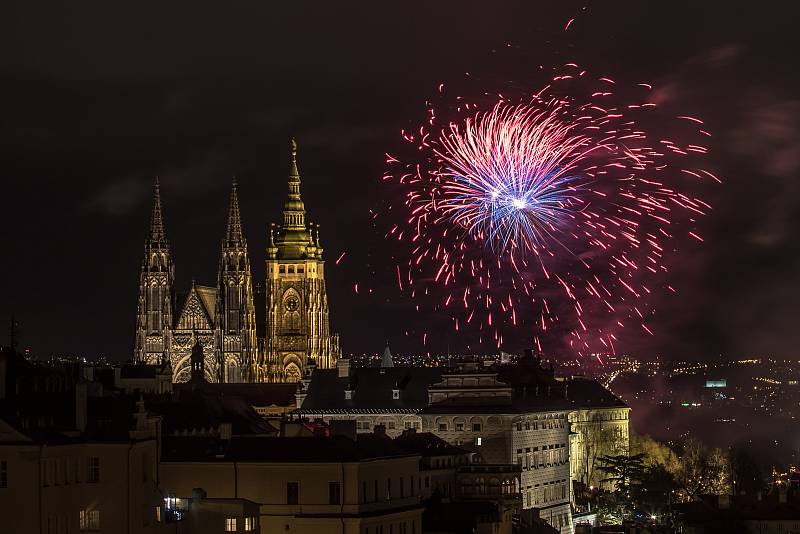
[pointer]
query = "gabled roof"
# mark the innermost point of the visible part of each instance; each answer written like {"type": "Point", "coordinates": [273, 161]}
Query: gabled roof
{"type": "Point", "coordinates": [371, 389]}
{"type": "Point", "coordinates": [198, 309]}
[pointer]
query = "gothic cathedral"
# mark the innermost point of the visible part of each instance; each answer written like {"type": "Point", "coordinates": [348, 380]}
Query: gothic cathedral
{"type": "Point", "coordinates": [240, 342]}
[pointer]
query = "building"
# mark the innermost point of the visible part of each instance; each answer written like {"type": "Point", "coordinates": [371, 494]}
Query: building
{"type": "Point", "coordinates": [200, 515]}
{"type": "Point", "coordinates": [223, 318]}
{"type": "Point", "coordinates": [599, 424]}
{"type": "Point", "coordinates": [315, 484]}
{"type": "Point", "coordinates": [507, 414]}
{"type": "Point", "coordinates": [391, 397]}
{"type": "Point", "coordinates": [521, 419]}
{"type": "Point", "coordinates": [70, 462]}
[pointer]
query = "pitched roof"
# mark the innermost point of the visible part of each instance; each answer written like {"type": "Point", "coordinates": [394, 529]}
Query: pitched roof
{"type": "Point", "coordinates": [372, 389]}
{"type": "Point", "coordinates": [588, 393]}
{"type": "Point", "coordinates": [254, 394]}
{"type": "Point", "coordinates": [279, 450]}
{"type": "Point", "coordinates": [426, 444]}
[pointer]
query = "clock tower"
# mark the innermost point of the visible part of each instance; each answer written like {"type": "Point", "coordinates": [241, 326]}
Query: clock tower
{"type": "Point", "coordinates": [296, 298]}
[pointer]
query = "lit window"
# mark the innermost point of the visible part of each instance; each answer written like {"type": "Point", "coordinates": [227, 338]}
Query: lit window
{"type": "Point", "coordinates": [158, 514]}
{"type": "Point", "coordinates": [479, 441]}
{"type": "Point", "coordinates": [230, 524]}
{"type": "Point", "coordinates": [93, 470]}
{"type": "Point", "coordinates": [89, 520]}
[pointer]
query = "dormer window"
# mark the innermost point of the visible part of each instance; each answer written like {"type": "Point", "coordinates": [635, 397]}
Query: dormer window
{"type": "Point", "coordinates": [348, 394]}
{"type": "Point", "coordinates": [395, 394]}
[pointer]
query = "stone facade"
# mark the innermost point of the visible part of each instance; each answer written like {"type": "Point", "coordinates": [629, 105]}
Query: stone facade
{"type": "Point", "coordinates": [222, 319]}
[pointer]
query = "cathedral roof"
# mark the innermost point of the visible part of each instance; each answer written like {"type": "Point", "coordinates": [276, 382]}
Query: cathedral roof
{"type": "Point", "coordinates": [199, 309]}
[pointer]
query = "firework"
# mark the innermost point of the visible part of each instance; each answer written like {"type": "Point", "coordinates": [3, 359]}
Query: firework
{"type": "Point", "coordinates": [551, 211]}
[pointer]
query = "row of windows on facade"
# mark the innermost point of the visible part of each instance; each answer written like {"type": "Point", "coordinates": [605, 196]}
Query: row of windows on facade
{"type": "Point", "coordinates": [250, 524]}
{"type": "Point", "coordinates": [459, 427]}
{"type": "Point", "coordinates": [390, 425]}
{"type": "Point", "coordinates": [291, 269]}
{"type": "Point", "coordinates": [545, 493]}
{"type": "Point", "coordinates": [58, 471]}
{"type": "Point", "coordinates": [378, 492]}
{"type": "Point", "coordinates": [535, 458]}
{"type": "Point", "coordinates": [543, 424]}
{"type": "Point", "coordinates": [402, 528]}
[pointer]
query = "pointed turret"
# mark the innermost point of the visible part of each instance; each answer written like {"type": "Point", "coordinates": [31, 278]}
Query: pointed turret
{"type": "Point", "coordinates": [387, 361]}
{"type": "Point", "coordinates": [157, 232]}
{"type": "Point", "coordinates": [293, 238]}
{"type": "Point", "coordinates": [235, 311]}
{"type": "Point", "coordinates": [233, 235]}
{"type": "Point", "coordinates": [154, 317]}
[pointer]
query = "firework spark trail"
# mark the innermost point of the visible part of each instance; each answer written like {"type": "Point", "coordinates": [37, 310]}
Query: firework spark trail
{"type": "Point", "coordinates": [512, 203]}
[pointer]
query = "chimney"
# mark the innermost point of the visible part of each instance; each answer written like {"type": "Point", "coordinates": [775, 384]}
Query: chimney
{"type": "Point", "coordinates": [343, 365]}
{"type": "Point", "coordinates": [343, 427]}
{"type": "Point", "coordinates": [80, 406]}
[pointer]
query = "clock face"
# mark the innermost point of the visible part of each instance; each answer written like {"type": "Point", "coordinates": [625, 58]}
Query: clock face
{"type": "Point", "coordinates": [292, 304]}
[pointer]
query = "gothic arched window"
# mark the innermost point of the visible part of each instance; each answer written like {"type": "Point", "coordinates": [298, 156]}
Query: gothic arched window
{"type": "Point", "coordinates": [291, 310]}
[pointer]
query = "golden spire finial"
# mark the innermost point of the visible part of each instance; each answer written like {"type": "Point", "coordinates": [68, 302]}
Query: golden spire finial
{"type": "Point", "coordinates": [293, 149]}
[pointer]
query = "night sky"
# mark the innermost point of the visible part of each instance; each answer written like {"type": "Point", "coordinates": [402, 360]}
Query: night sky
{"type": "Point", "coordinates": [99, 97]}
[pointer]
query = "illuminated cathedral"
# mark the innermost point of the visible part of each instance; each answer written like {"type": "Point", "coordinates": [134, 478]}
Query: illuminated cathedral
{"type": "Point", "coordinates": [246, 333]}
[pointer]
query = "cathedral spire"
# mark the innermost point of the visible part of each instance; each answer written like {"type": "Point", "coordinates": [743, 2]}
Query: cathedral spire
{"type": "Point", "coordinates": [157, 232]}
{"type": "Point", "coordinates": [234, 236]}
{"type": "Point", "coordinates": [294, 211]}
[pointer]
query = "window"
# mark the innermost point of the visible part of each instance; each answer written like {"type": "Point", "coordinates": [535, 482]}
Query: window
{"type": "Point", "coordinates": [158, 514]}
{"type": "Point", "coordinates": [93, 470]}
{"type": "Point", "coordinates": [391, 425]}
{"type": "Point", "coordinates": [388, 489]}
{"type": "Point", "coordinates": [334, 493]}
{"type": "Point", "coordinates": [281, 268]}
{"type": "Point", "coordinates": [442, 427]}
{"type": "Point", "coordinates": [89, 520]}
{"type": "Point", "coordinates": [3, 473]}
{"type": "Point", "coordinates": [250, 524]}
{"type": "Point", "coordinates": [459, 427]}
{"type": "Point", "coordinates": [292, 493]}
{"type": "Point", "coordinates": [402, 488]}
{"type": "Point", "coordinates": [407, 425]}
{"type": "Point", "coordinates": [476, 427]}
{"type": "Point", "coordinates": [230, 524]}
{"type": "Point", "coordinates": [519, 426]}
{"type": "Point", "coordinates": [291, 269]}
{"type": "Point", "coordinates": [364, 491]}
{"type": "Point", "coordinates": [478, 441]}
{"type": "Point", "coordinates": [376, 491]}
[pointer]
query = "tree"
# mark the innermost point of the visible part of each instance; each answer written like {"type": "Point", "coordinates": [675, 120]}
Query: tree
{"type": "Point", "coordinates": [624, 473]}
{"type": "Point", "coordinates": [702, 472]}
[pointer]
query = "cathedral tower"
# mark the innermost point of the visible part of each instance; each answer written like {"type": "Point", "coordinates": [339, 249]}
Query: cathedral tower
{"type": "Point", "coordinates": [154, 316]}
{"type": "Point", "coordinates": [236, 314]}
{"type": "Point", "coordinates": [296, 297]}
